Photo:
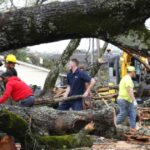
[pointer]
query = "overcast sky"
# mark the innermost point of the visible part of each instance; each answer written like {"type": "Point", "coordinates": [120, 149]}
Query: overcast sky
{"type": "Point", "coordinates": [59, 47]}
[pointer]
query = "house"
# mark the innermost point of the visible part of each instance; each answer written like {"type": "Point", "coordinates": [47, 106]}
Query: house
{"type": "Point", "coordinates": [30, 74]}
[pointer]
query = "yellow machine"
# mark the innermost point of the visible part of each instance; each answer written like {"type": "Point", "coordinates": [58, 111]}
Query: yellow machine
{"type": "Point", "coordinates": [127, 60]}
{"type": "Point", "coordinates": [118, 69]}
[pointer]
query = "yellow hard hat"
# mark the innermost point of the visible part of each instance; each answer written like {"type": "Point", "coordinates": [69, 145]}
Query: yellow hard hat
{"type": "Point", "coordinates": [131, 68]}
{"type": "Point", "coordinates": [11, 58]}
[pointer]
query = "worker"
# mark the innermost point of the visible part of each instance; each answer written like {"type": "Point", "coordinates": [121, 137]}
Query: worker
{"type": "Point", "coordinates": [126, 99]}
{"type": "Point", "coordinates": [10, 61]}
{"type": "Point", "coordinates": [17, 89]}
{"type": "Point", "coordinates": [76, 80]}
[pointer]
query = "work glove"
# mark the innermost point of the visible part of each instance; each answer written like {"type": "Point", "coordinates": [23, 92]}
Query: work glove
{"type": "Point", "coordinates": [135, 103]}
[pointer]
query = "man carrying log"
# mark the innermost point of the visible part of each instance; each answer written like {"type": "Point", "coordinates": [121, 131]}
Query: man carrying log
{"type": "Point", "coordinates": [76, 80]}
{"type": "Point", "coordinates": [126, 99]}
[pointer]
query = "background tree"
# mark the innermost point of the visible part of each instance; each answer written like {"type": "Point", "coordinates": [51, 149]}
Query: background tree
{"type": "Point", "coordinates": [55, 70]}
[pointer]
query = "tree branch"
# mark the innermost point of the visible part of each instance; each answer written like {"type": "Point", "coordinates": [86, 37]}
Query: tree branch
{"type": "Point", "coordinates": [118, 22]}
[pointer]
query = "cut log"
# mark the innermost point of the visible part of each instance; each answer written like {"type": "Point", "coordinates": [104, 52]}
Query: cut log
{"type": "Point", "coordinates": [45, 120]}
{"type": "Point", "coordinates": [20, 128]}
{"type": "Point", "coordinates": [55, 101]}
{"type": "Point", "coordinates": [41, 122]}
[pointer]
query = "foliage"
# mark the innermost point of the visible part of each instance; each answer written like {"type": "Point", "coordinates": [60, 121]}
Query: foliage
{"type": "Point", "coordinates": [21, 54]}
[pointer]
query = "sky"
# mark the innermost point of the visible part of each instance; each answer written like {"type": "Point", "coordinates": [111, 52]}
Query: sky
{"type": "Point", "coordinates": [59, 47]}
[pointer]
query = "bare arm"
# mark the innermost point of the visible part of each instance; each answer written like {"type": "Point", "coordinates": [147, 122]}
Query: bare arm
{"type": "Point", "coordinates": [67, 91]}
{"type": "Point", "coordinates": [131, 93]}
{"type": "Point", "coordinates": [89, 87]}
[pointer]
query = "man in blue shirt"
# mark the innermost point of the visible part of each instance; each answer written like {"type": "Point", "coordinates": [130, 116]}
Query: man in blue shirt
{"type": "Point", "coordinates": [76, 85]}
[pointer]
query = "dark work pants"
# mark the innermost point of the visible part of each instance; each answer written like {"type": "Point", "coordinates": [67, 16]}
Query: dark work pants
{"type": "Point", "coordinates": [73, 104]}
{"type": "Point", "coordinates": [27, 102]}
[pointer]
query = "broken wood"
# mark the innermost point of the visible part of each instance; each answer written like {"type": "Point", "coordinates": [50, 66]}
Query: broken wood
{"type": "Point", "coordinates": [138, 139]}
{"type": "Point", "coordinates": [107, 88]}
{"type": "Point", "coordinates": [54, 101]}
{"type": "Point", "coordinates": [107, 97]}
{"type": "Point", "coordinates": [7, 143]}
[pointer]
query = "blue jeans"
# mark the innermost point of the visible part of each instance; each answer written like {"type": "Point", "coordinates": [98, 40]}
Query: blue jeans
{"type": "Point", "coordinates": [126, 109]}
{"type": "Point", "coordinates": [74, 104]}
{"type": "Point", "coordinates": [27, 102]}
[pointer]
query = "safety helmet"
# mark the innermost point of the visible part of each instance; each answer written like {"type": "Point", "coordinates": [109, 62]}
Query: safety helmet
{"type": "Point", "coordinates": [131, 68]}
{"type": "Point", "coordinates": [11, 58]}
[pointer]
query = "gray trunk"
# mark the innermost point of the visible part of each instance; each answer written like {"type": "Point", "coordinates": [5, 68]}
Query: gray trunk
{"type": "Point", "coordinates": [48, 121]}
{"type": "Point", "coordinates": [55, 70]}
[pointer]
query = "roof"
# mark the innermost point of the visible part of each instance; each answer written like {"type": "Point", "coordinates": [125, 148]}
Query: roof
{"type": "Point", "coordinates": [28, 65]}
{"type": "Point", "coordinates": [32, 66]}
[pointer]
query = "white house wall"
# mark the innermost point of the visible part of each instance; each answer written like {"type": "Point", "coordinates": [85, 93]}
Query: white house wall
{"type": "Point", "coordinates": [30, 74]}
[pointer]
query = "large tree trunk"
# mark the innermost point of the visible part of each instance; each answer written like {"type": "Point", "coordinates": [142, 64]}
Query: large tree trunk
{"type": "Point", "coordinates": [55, 70]}
{"type": "Point", "coordinates": [47, 121]}
{"type": "Point", "coordinates": [37, 125]}
{"type": "Point", "coordinates": [118, 22]}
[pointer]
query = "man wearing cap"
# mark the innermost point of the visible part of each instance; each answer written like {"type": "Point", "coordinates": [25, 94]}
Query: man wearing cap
{"type": "Point", "coordinates": [126, 99]}
{"type": "Point", "coordinates": [76, 85]}
{"type": "Point", "coordinates": [10, 61]}
{"type": "Point", "coordinates": [17, 89]}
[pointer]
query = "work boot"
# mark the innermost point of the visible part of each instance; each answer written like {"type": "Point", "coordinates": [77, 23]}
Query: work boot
{"type": "Point", "coordinates": [133, 131]}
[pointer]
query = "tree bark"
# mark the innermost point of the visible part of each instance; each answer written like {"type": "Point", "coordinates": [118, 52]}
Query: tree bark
{"type": "Point", "coordinates": [96, 66]}
{"type": "Point", "coordinates": [55, 70]}
{"type": "Point", "coordinates": [47, 121]}
{"type": "Point", "coordinates": [18, 124]}
{"type": "Point", "coordinates": [118, 22]}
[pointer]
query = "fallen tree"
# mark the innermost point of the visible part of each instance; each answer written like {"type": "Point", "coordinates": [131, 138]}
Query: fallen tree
{"type": "Point", "coordinates": [44, 126]}
{"type": "Point", "coordinates": [20, 129]}
{"type": "Point", "coordinates": [45, 120]}
{"type": "Point", "coordinates": [38, 122]}
{"type": "Point", "coordinates": [118, 22]}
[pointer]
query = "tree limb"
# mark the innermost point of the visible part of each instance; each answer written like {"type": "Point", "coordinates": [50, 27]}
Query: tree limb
{"type": "Point", "coordinates": [118, 22]}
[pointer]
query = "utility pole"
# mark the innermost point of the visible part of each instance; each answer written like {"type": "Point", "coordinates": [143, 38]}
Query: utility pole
{"type": "Point", "coordinates": [99, 54]}
{"type": "Point", "coordinates": [98, 48]}
{"type": "Point", "coordinates": [92, 52]}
